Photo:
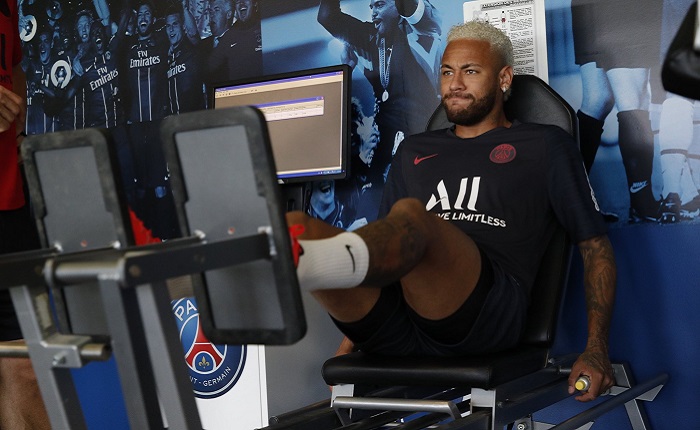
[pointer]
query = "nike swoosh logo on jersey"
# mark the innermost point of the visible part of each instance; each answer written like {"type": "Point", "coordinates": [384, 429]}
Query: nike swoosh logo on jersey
{"type": "Point", "coordinates": [638, 186]}
{"type": "Point", "coordinates": [421, 159]}
{"type": "Point", "coordinates": [234, 44]}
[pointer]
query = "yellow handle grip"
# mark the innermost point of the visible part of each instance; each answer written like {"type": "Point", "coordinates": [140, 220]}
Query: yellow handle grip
{"type": "Point", "coordinates": [582, 383]}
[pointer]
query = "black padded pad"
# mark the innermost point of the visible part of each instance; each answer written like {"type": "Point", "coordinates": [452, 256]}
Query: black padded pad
{"type": "Point", "coordinates": [224, 184]}
{"type": "Point", "coordinates": [531, 100]}
{"type": "Point", "coordinates": [484, 371]}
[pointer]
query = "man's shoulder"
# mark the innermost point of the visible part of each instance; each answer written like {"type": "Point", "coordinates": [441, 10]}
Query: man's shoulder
{"type": "Point", "coordinates": [425, 141]}
{"type": "Point", "coordinates": [230, 36]}
{"type": "Point", "coordinates": [549, 141]}
{"type": "Point", "coordinates": [160, 37]}
{"type": "Point", "coordinates": [536, 128]}
{"type": "Point", "coordinates": [543, 135]}
{"type": "Point", "coordinates": [437, 134]}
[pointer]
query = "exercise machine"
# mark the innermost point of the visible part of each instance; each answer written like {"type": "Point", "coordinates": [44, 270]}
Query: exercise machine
{"type": "Point", "coordinates": [91, 293]}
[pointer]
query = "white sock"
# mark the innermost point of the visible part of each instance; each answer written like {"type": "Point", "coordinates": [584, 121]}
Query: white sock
{"type": "Point", "coordinates": [341, 261]}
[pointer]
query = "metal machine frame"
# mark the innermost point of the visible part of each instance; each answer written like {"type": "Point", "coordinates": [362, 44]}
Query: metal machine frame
{"type": "Point", "coordinates": [130, 282]}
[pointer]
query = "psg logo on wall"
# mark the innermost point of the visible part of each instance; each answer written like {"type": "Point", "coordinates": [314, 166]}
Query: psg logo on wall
{"type": "Point", "coordinates": [214, 369]}
{"type": "Point", "coordinates": [27, 28]}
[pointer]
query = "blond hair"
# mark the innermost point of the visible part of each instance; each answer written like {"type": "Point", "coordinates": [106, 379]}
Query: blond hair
{"type": "Point", "coordinates": [480, 30]}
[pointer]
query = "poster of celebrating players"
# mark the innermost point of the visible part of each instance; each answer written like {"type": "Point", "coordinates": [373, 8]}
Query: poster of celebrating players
{"type": "Point", "coordinates": [126, 64]}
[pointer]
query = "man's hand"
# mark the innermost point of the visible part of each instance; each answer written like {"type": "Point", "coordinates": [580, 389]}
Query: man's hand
{"type": "Point", "coordinates": [348, 56]}
{"type": "Point", "coordinates": [11, 108]}
{"type": "Point", "coordinates": [345, 347]}
{"type": "Point", "coordinates": [595, 365]}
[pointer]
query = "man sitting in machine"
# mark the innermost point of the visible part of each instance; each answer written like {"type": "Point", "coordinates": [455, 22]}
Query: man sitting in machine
{"type": "Point", "coordinates": [466, 213]}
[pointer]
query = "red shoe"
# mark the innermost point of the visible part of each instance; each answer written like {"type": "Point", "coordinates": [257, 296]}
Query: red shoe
{"type": "Point", "coordinates": [297, 251]}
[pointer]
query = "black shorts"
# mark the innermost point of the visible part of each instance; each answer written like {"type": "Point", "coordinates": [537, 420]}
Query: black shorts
{"type": "Point", "coordinates": [491, 319]}
{"type": "Point", "coordinates": [17, 233]}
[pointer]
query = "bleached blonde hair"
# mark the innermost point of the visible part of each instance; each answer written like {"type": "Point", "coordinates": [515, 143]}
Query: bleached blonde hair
{"type": "Point", "coordinates": [480, 30]}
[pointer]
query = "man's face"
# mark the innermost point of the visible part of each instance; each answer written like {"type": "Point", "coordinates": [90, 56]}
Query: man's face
{"type": "Point", "coordinates": [98, 37]}
{"type": "Point", "coordinates": [369, 138]}
{"type": "Point", "coordinates": [469, 81]}
{"type": "Point", "coordinates": [173, 28]}
{"type": "Point", "coordinates": [385, 17]}
{"type": "Point", "coordinates": [82, 26]}
{"type": "Point", "coordinates": [220, 16]}
{"type": "Point", "coordinates": [61, 75]}
{"type": "Point", "coordinates": [44, 48]}
{"type": "Point", "coordinates": [322, 194]}
{"type": "Point", "coordinates": [144, 20]}
{"type": "Point", "coordinates": [244, 9]}
{"type": "Point", "coordinates": [62, 36]}
{"type": "Point", "coordinates": [28, 26]}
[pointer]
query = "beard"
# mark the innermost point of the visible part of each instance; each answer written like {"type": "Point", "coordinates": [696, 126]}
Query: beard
{"type": "Point", "coordinates": [472, 114]}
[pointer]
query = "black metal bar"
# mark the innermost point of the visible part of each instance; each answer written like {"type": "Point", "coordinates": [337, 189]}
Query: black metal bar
{"type": "Point", "coordinates": [143, 265]}
{"type": "Point", "coordinates": [316, 416]}
{"type": "Point", "coordinates": [593, 413]}
{"type": "Point", "coordinates": [433, 419]}
{"type": "Point", "coordinates": [480, 420]}
{"type": "Point", "coordinates": [24, 268]}
{"type": "Point", "coordinates": [147, 267]}
{"type": "Point", "coordinates": [526, 402]}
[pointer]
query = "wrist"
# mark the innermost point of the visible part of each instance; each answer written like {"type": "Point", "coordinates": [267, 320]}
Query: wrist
{"type": "Point", "coordinates": [597, 347]}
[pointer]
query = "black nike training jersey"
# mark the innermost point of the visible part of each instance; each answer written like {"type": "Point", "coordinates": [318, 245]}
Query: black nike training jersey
{"type": "Point", "coordinates": [505, 189]}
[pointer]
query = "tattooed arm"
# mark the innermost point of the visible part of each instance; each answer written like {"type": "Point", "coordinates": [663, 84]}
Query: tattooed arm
{"type": "Point", "coordinates": [599, 281]}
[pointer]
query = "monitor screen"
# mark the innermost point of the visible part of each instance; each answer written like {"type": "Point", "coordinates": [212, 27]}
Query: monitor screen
{"type": "Point", "coordinates": [308, 116]}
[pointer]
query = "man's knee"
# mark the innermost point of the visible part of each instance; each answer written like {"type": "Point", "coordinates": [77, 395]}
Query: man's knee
{"type": "Point", "coordinates": [409, 206]}
{"type": "Point", "coordinates": [312, 228]}
{"type": "Point", "coordinates": [412, 211]}
{"type": "Point", "coordinates": [296, 218]}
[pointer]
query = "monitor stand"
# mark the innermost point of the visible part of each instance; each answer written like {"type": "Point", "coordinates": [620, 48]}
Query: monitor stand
{"type": "Point", "coordinates": [295, 197]}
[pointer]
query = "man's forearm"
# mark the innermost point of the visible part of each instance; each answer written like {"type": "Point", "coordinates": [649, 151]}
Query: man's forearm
{"type": "Point", "coordinates": [600, 276]}
{"type": "Point", "coordinates": [345, 27]}
{"type": "Point", "coordinates": [328, 11]}
{"type": "Point", "coordinates": [190, 23]}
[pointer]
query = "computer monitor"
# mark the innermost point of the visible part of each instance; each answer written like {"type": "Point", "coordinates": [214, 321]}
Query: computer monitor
{"type": "Point", "coordinates": [308, 117]}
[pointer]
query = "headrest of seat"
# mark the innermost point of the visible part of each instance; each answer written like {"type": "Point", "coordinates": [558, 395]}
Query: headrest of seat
{"type": "Point", "coordinates": [531, 100]}
{"type": "Point", "coordinates": [680, 73]}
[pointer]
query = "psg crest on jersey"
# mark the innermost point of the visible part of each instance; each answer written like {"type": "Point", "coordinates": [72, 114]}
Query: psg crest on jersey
{"type": "Point", "coordinates": [214, 369]}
